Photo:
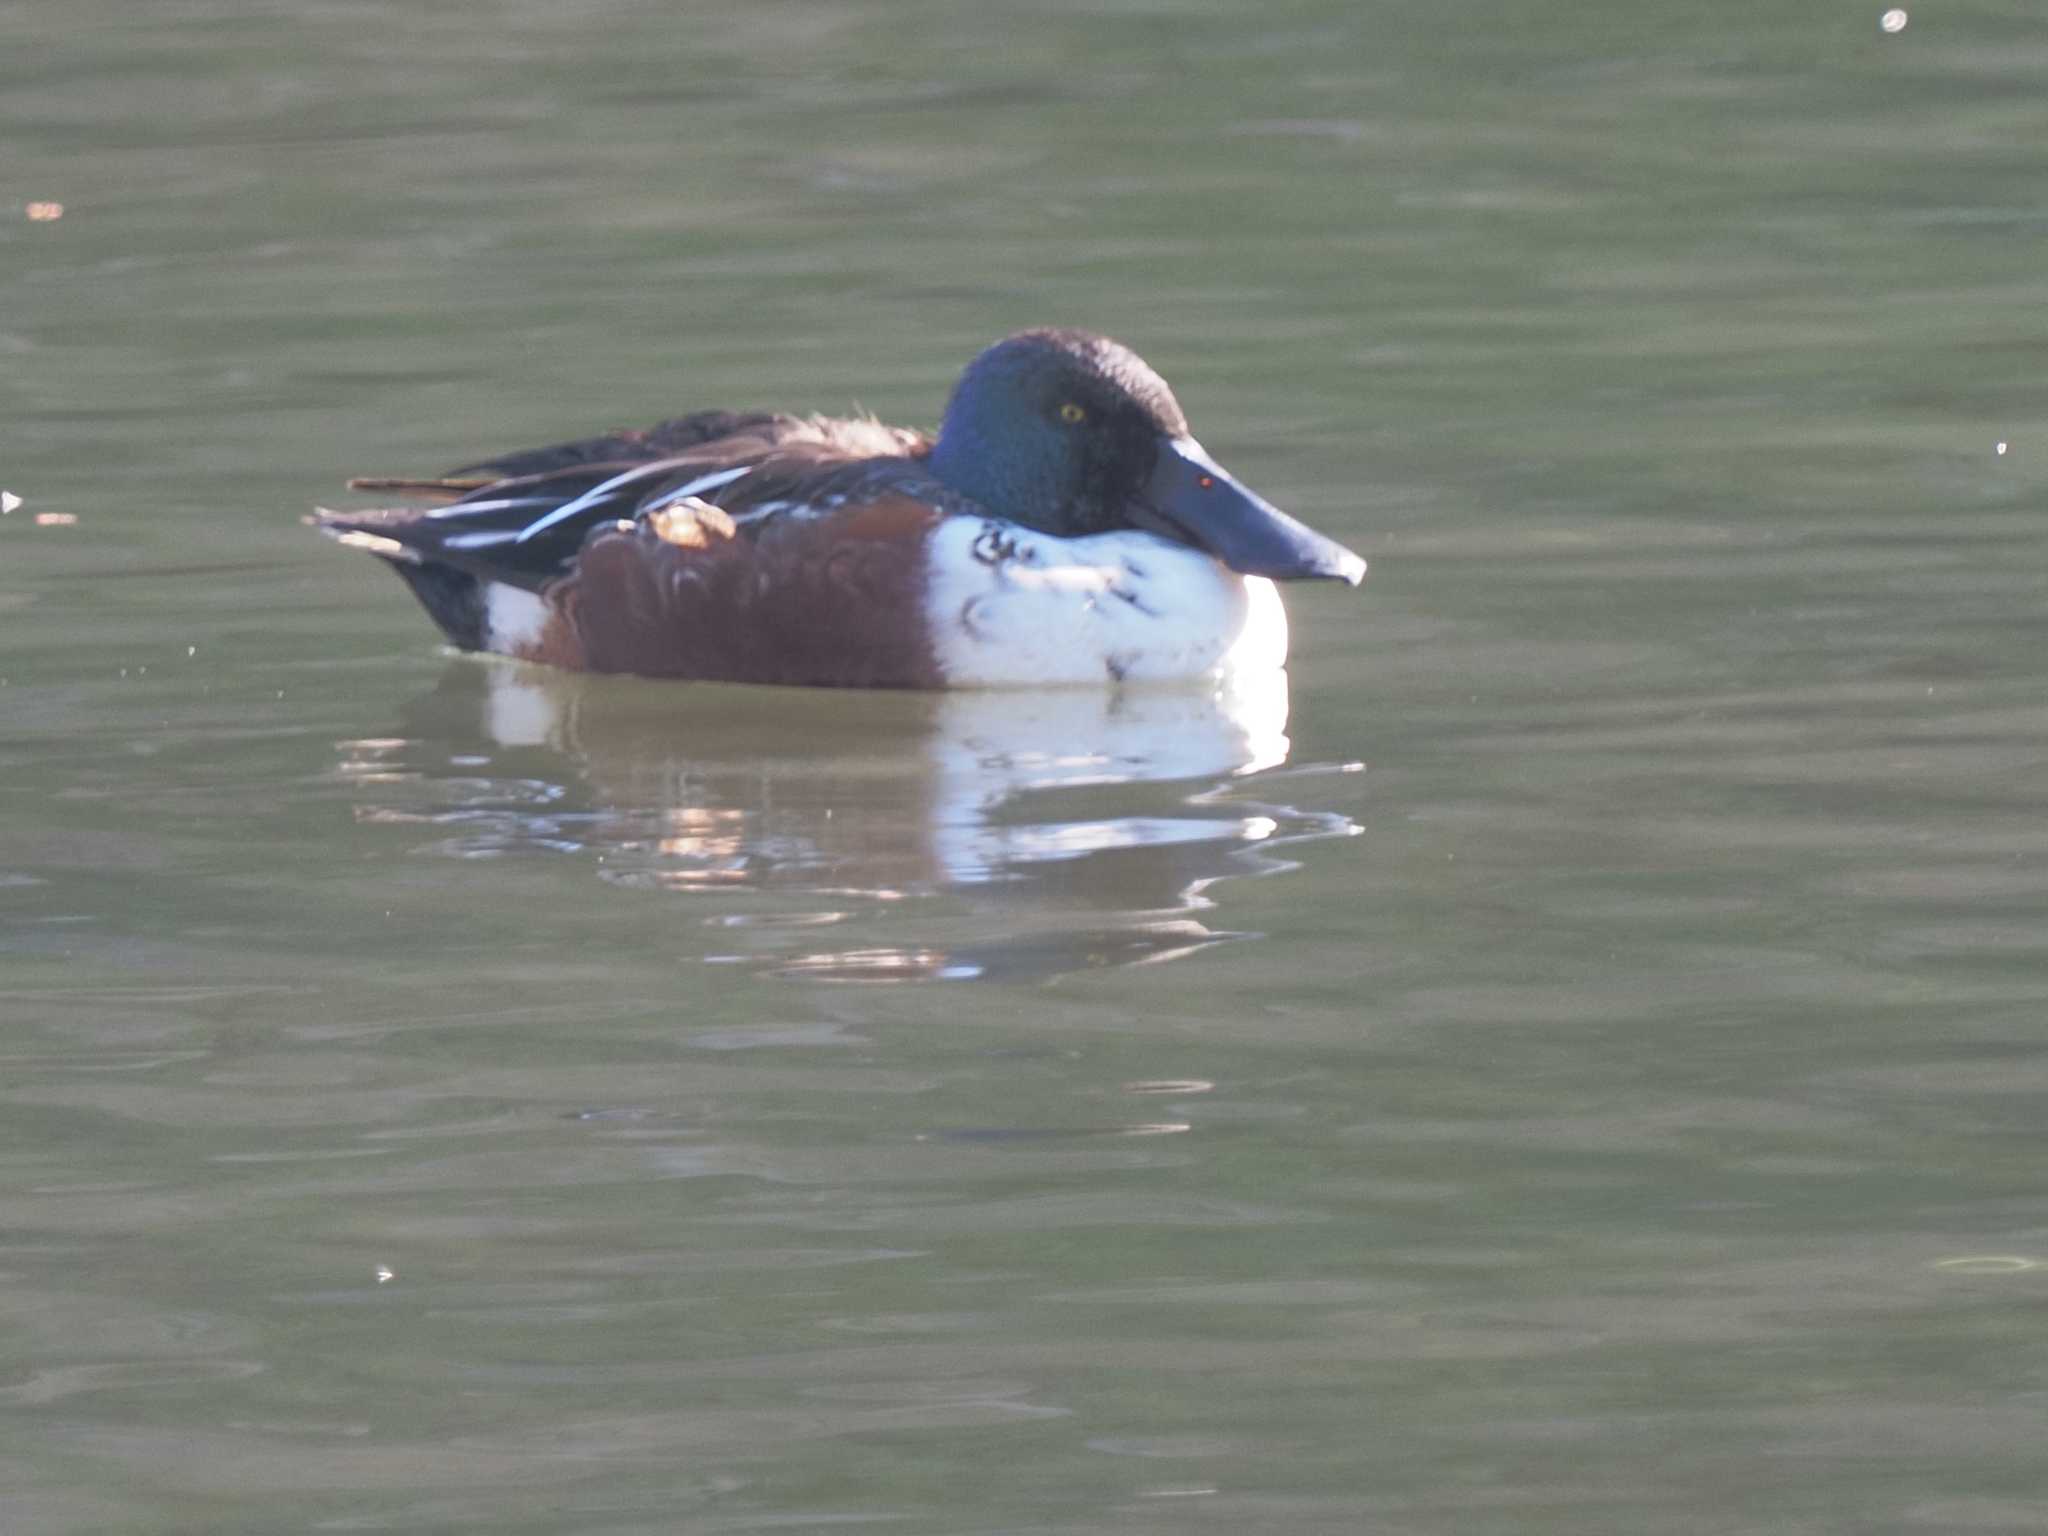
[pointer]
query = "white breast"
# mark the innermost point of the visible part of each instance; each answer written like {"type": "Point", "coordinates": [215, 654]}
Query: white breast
{"type": "Point", "coordinates": [1011, 607]}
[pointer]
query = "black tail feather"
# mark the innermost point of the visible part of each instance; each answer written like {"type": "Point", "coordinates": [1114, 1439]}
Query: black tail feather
{"type": "Point", "coordinates": [454, 599]}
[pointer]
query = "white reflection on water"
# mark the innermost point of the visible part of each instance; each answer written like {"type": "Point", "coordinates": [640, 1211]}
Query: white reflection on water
{"type": "Point", "coordinates": [789, 811]}
{"type": "Point", "coordinates": [992, 749]}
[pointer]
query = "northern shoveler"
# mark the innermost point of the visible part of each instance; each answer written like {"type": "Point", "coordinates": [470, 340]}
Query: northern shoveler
{"type": "Point", "coordinates": [1063, 527]}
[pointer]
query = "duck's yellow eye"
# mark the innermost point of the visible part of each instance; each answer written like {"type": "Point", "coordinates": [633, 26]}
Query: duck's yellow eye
{"type": "Point", "coordinates": [1071, 413]}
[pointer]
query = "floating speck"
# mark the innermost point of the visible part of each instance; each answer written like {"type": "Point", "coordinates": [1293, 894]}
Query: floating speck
{"type": "Point", "coordinates": [1893, 20]}
{"type": "Point", "coordinates": [9, 501]}
{"type": "Point", "coordinates": [191, 650]}
{"type": "Point", "coordinates": [44, 213]}
{"type": "Point", "coordinates": [2001, 450]}
{"type": "Point", "coordinates": [384, 1273]}
{"type": "Point", "coordinates": [56, 519]}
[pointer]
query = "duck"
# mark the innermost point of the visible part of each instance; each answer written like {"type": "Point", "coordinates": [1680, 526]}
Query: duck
{"type": "Point", "coordinates": [1064, 526]}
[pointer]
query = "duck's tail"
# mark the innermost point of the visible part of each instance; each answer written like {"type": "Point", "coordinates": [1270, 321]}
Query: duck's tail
{"type": "Point", "coordinates": [453, 598]}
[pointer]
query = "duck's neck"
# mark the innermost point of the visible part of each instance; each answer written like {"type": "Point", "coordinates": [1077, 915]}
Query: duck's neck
{"type": "Point", "coordinates": [980, 460]}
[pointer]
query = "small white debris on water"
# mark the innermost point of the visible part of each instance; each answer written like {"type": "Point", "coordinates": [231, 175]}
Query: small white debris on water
{"type": "Point", "coordinates": [8, 502]}
{"type": "Point", "coordinates": [2001, 450]}
{"type": "Point", "coordinates": [1893, 20]}
{"type": "Point", "coordinates": [384, 1273]}
{"type": "Point", "coordinates": [191, 650]}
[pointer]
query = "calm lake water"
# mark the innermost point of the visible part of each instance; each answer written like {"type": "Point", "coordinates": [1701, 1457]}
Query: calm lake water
{"type": "Point", "coordinates": [1576, 1065]}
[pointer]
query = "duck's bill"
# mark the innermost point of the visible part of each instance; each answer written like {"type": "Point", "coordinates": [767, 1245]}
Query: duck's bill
{"type": "Point", "coordinates": [1194, 500]}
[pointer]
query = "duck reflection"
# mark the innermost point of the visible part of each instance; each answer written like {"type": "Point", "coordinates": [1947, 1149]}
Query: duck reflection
{"type": "Point", "coordinates": [1033, 833]}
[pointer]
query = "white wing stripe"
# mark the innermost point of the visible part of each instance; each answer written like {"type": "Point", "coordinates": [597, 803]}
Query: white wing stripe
{"type": "Point", "coordinates": [698, 486]}
{"type": "Point", "coordinates": [590, 498]}
{"type": "Point", "coordinates": [470, 508]}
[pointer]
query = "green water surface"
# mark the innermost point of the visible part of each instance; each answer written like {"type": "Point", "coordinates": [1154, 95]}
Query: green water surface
{"type": "Point", "coordinates": [1576, 1064]}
